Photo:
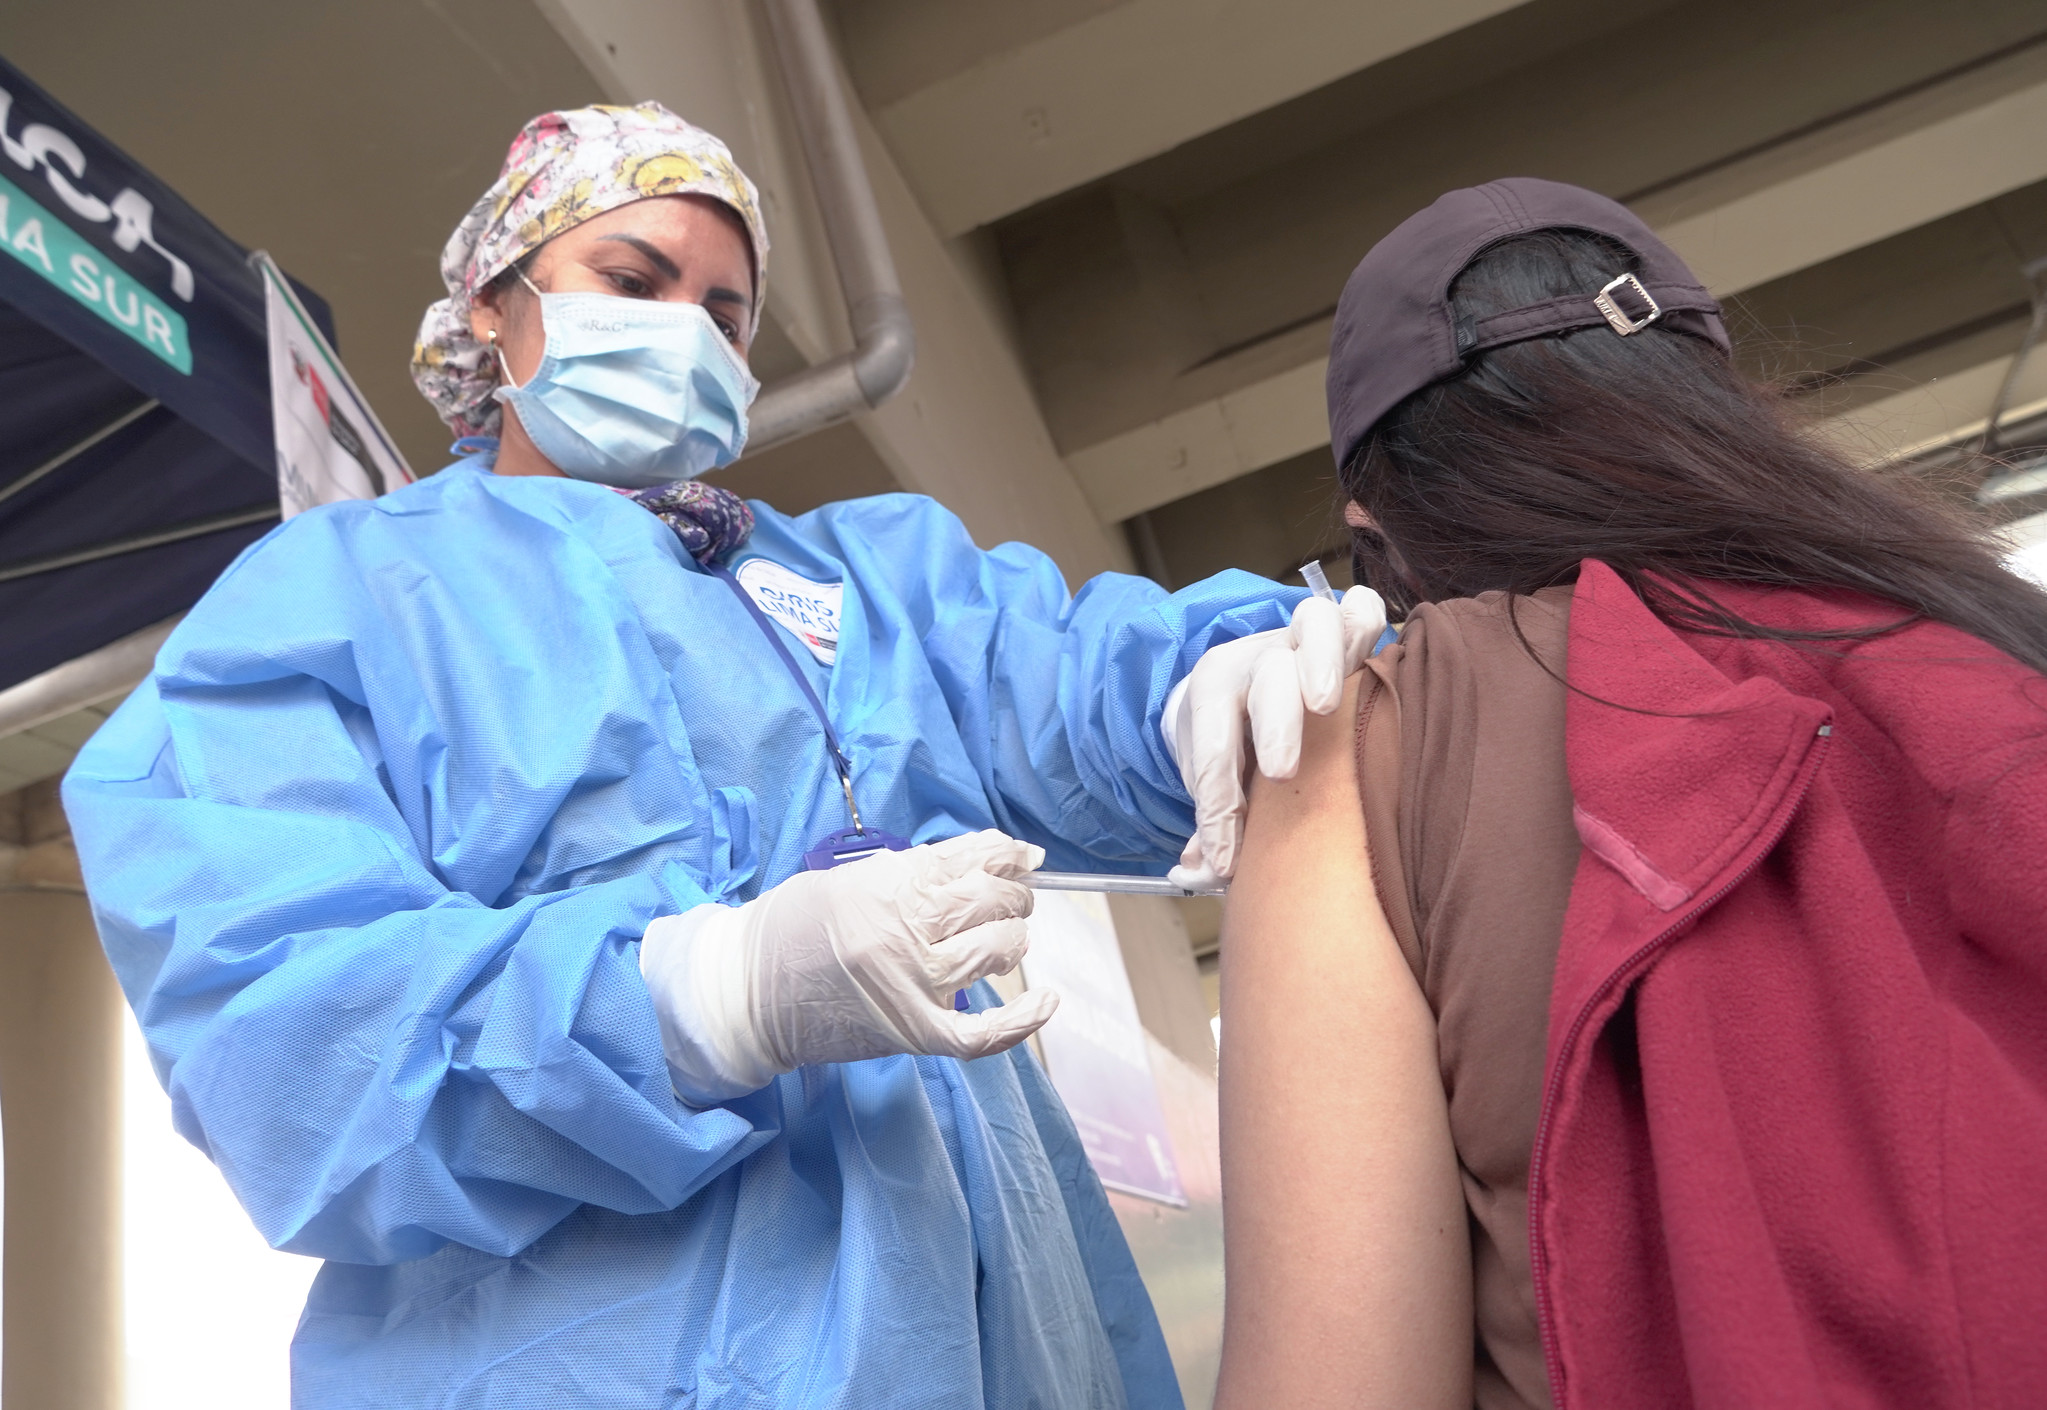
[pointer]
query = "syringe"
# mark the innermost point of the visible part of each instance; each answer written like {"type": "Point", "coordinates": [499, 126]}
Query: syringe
{"type": "Point", "coordinates": [1109, 881]}
{"type": "Point", "coordinates": [1154, 885]}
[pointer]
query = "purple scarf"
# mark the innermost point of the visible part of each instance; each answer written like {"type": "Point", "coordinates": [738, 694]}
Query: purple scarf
{"type": "Point", "coordinates": [710, 521]}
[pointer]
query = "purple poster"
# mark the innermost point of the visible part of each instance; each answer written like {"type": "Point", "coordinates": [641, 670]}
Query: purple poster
{"type": "Point", "coordinates": [1094, 1046]}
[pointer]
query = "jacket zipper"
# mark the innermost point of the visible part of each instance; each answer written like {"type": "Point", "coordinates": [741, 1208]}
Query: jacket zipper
{"type": "Point", "coordinates": [1538, 1260]}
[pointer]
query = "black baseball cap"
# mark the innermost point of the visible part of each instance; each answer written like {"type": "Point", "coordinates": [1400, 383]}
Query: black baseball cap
{"type": "Point", "coordinates": [1395, 333]}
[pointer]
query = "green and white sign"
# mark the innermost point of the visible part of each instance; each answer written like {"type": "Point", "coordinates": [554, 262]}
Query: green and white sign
{"type": "Point", "coordinates": [43, 242]}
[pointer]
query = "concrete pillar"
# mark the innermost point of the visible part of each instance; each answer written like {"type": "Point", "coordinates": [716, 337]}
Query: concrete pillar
{"type": "Point", "coordinates": [1178, 1251]}
{"type": "Point", "coordinates": [60, 1090]}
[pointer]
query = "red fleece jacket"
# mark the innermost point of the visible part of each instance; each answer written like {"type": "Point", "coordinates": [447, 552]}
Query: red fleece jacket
{"type": "Point", "coordinates": [1793, 1147]}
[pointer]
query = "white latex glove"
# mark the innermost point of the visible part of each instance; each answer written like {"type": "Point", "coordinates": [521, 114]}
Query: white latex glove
{"type": "Point", "coordinates": [834, 966]}
{"type": "Point", "coordinates": [1266, 685]}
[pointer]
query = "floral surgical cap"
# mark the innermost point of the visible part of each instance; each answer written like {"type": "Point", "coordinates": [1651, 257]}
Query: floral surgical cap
{"type": "Point", "coordinates": [564, 168]}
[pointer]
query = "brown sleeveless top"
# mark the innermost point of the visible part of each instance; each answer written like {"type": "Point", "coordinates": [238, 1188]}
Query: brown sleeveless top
{"type": "Point", "coordinates": [1460, 744]}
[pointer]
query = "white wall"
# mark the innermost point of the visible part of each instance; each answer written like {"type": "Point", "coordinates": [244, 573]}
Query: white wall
{"type": "Point", "coordinates": [210, 1308]}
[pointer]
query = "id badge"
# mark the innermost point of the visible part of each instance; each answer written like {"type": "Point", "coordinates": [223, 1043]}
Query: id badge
{"type": "Point", "coordinates": [851, 846]}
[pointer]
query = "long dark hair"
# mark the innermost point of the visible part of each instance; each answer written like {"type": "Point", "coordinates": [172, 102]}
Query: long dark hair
{"type": "Point", "coordinates": [1655, 455]}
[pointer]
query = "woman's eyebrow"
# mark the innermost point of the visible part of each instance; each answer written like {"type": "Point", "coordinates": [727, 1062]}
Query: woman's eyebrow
{"type": "Point", "coordinates": [720, 294]}
{"type": "Point", "coordinates": [655, 257]}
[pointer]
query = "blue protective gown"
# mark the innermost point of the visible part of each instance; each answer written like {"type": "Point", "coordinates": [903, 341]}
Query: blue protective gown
{"type": "Point", "coordinates": [372, 850]}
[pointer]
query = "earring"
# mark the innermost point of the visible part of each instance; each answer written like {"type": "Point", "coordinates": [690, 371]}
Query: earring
{"type": "Point", "coordinates": [504, 368]}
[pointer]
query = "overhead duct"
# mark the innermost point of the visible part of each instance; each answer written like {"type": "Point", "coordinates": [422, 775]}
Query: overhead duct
{"type": "Point", "coordinates": [883, 344]}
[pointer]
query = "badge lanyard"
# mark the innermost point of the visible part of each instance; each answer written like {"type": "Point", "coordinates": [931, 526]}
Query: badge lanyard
{"type": "Point", "coordinates": [859, 840]}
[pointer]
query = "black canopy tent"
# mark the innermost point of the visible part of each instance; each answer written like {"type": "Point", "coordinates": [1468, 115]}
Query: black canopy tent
{"type": "Point", "coordinates": [136, 452]}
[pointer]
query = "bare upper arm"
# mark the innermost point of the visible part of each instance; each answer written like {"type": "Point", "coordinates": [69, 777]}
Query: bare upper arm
{"type": "Point", "coordinates": [1349, 1266]}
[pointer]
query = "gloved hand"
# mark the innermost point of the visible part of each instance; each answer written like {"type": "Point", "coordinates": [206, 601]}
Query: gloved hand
{"type": "Point", "coordinates": [834, 966]}
{"type": "Point", "coordinates": [1268, 683]}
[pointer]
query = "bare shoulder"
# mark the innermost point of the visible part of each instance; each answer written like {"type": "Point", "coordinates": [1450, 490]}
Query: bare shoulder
{"type": "Point", "coordinates": [1312, 823]}
{"type": "Point", "coordinates": [1327, 779]}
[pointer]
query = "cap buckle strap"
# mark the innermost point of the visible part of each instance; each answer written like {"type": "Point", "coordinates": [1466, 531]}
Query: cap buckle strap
{"type": "Point", "coordinates": [1616, 316]}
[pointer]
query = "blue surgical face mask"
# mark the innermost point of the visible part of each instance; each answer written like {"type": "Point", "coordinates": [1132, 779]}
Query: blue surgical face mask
{"type": "Point", "coordinates": [632, 392]}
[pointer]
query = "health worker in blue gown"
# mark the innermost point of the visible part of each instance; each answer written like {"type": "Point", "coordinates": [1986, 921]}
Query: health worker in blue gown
{"type": "Point", "coordinates": [453, 858]}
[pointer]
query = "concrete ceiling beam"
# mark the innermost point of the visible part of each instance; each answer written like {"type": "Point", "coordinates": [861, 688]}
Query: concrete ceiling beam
{"type": "Point", "coordinates": [1262, 424]}
{"type": "Point", "coordinates": [1130, 83]}
{"type": "Point", "coordinates": [1895, 183]}
{"type": "Point", "coordinates": [1832, 193]}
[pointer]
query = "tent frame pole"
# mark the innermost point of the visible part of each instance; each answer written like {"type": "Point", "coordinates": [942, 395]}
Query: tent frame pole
{"type": "Point", "coordinates": [65, 457]}
{"type": "Point", "coordinates": [118, 667]}
{"type": "Point", "coordinates": [29, 568]}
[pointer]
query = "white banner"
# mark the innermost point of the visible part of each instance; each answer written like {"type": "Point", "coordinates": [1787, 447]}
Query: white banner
{"type": "Point", "coordinates": [330, 445]}
{"type": "Point", "coordinates": [1094, 1046]}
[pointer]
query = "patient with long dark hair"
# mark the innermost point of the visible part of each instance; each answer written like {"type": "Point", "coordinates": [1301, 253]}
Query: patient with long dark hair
{"type": "Point", "coordinates": [1640, 996]}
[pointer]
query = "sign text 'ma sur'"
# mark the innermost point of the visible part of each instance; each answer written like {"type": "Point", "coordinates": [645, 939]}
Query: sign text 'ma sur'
{"type": "Point", "coordinates": [44, 243]}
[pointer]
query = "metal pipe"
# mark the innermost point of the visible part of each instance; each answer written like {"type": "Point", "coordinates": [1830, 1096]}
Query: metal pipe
{"type": "Point", "coordinates": [2032, 271]}
{"type": "Point", "coordinates": [884, 346]}
{"type": "Point", "coordinates": [114, 669]}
